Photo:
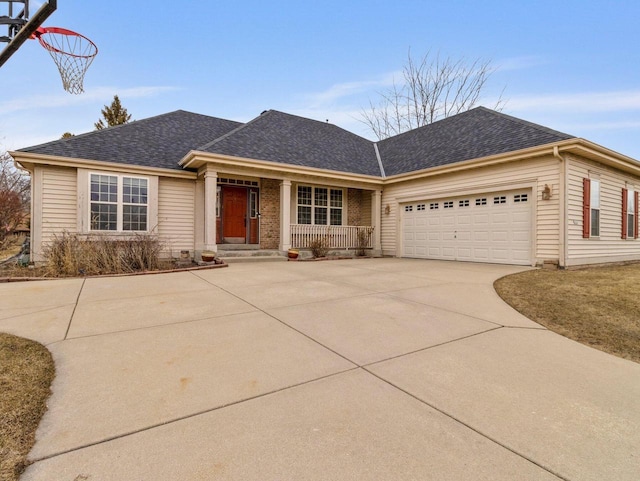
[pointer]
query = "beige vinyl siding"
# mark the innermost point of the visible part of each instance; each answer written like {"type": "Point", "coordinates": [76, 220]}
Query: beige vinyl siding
{"type": "Point", "coordinates": [59, 202]}
{"type": "Point", "coordinates": [609, 246]}
{"type": "Point", "coordinates": [534, 173]}
{"type": "Point", "coordinates": [176, 215]}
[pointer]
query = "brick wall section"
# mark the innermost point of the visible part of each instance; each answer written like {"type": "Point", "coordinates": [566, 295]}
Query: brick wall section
{"type": "Point", "coordinates": [270, 214]}
{"type": "Point", "coordinates": [354, 203]}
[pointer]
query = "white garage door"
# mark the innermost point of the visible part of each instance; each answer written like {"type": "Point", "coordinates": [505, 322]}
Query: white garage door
{"type": "Point", "coordinates": [493, 227]}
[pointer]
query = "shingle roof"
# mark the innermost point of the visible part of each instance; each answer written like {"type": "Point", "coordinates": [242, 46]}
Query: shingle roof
{"type": "Point", "coordinates": [159, 141]}
{"type": "Point", "coordinates": [479, 132]}
{"type": "Point", "coordinates": [278, 137]}
{"type": "Point", "coordinates": [162, 141]}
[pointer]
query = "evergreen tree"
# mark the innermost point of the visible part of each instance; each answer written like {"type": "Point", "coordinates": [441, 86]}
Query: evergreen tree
{"type": "Point", "coordinates": [115, 114]}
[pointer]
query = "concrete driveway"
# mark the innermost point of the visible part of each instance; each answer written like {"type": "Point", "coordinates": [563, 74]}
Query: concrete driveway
{"type": "Point", "coordinates": [382, 369]}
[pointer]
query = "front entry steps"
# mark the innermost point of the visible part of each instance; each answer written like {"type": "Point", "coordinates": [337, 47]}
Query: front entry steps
{"type": "Point", "coordinates": [231, 254]}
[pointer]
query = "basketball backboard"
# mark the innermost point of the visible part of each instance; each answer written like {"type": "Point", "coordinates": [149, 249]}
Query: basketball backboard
{"type": "Point", "coordinates": [15, 16]}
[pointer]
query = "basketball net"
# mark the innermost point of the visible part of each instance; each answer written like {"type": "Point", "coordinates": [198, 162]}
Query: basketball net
{"type": "Point", "coordinates": [72, 53]}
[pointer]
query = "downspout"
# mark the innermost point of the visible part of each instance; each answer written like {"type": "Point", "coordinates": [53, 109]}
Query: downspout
{"type": "Point", "coordinates": [562, 196]}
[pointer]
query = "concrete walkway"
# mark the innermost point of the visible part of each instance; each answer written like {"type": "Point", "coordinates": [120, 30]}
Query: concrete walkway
{"type": "Point", "coordinates": [381, 369]}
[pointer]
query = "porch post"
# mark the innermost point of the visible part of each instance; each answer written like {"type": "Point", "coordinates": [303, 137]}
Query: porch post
{"type": "Point", "coordinates": [285, 215]}
{"type": "Point", "coordinates": [210, 185]}
{"type": "Point", "coordinates": [376, 220]}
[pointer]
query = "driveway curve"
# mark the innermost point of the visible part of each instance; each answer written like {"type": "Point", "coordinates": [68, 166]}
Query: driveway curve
{"type": "Point", "coordinates": [354, 369]}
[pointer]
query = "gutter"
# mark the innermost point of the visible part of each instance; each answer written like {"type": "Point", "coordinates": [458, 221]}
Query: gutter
{"type": "Point", "coordinates": [562, 199]}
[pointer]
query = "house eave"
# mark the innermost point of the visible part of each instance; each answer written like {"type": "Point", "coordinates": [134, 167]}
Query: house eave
{"type": "Point", "coordinates": [198, 159]}
{"type": "Point", "coordinates": [27, 159]}
{"type": "Point", "coordinates": [577, 146]}
{"type": "Point", "coordinates": [592, 151]}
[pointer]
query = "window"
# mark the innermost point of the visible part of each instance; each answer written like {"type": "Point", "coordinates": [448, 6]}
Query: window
{"type": "Point", "coordinates": [595, 208]}
{"type": "Point", "coordinates": [118, 203]}
{"type": "Point", "coordinates": [319, 205]}
{"type": "Point", "coordinates": [590, 208]}
{"type": "Point", "coordinates": [218, 200]}
{"type": "Point", "coordinates": [520, 198]}
{"type": "Point", "coordinates": [253, 204]}
{"type": "Point", "coordinates": [448, 204]}
{"type": "Point", "coordinates": [629, 214]}
{"type": "Point", "coordinates": [481, 201]}
{"type": "Point", "coordinates": [421, 207]}
{"type": "Point", "coordinates": [500, 199]}
{"type": "Point", "coordinates": [463, 203]}
{"type": "Point", "coordinates": [408, 208]}
{"type": "Point", "coordinates": [433, 206]}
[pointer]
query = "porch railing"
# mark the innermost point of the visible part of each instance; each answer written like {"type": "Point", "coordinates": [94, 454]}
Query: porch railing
{"type": "Point", "coordinates": [337, 236]}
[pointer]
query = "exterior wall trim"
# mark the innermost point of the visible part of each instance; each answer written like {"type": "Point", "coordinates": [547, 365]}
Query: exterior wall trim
{"type": "Point", "coordinates": [40, 159]}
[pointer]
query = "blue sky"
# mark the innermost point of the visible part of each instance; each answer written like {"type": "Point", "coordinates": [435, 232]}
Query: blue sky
{"type": "Point", "coordinates": [573, 65]}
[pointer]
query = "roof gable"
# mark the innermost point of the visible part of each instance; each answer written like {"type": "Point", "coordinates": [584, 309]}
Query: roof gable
{"type": "Point", "coordinates": [284, 138]}
{"type": "Point", "coordinates": [473, 134]}
{"type": "Point", "coordinates": [159, 141]}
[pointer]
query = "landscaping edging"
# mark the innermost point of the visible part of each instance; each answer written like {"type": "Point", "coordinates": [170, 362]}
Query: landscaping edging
{"type": "Point", "coordinates": [164, 271]}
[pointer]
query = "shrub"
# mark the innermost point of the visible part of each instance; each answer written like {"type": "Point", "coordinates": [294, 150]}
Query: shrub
{"type": "Point", "coordinates": [364, 237]}
{"type": "Point", "coordinates": [319, 247]}
{"type": "Point", "coordinates": [72, 255]}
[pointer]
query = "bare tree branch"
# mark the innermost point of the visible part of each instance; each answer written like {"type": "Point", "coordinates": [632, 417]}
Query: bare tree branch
{"type": "Point", "coordinates": [14, 196]}
{"type": "Point", "coordinates": [433, 88]}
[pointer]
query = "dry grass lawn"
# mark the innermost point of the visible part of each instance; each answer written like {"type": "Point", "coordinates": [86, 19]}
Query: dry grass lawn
{"type": "Point", "coordinates": [597, 306]}
{"type": "Point", "coordinates": [26, 372]}
{"type": "Point", "coordinates": [11, 247]}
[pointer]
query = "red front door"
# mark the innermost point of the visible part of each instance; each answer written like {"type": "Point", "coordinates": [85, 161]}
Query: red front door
{"type": "Point", "coordinates": [234, 214]}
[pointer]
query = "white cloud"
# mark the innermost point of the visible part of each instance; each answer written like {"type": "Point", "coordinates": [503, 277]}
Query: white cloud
{"type": "Point", "coordinates": [103, 94]}
{"type": "Point", "coordinates": [585, 102]}
{"type": "Point", "coordinates": [341, 91]}
{"type": "Point", "coordinates": [519, 63]}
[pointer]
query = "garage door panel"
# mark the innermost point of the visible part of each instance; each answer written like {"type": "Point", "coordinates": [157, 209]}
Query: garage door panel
{"type": "Point", "coordinates": [499, 235]}
{"type": "Point", "coordinates": [500, 254]}
{"type": "Point", "coordinates": [520, 235]}
{"type": "Point", "coordinates": [448, 253]}
{"type": "Point", "coordinates": [481, 219]}
{"type": "Point", "coordinates": [492, 227]}
{"type": "Point", "coordinates": [520, 217]}
{"type": "Point", "coordinates": [481, 236]}
{"type": "Point", "coordinates": [500, 218]}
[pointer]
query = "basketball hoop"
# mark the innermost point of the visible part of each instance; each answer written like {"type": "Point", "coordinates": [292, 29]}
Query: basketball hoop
{"type": "Point", "coordinates": [72, 53]}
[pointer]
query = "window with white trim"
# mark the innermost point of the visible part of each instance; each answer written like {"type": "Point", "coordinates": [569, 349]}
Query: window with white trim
{"type": "Point", "coordinates": [631, 214]}
{"type": "Point", "coordinates": [594, 203]}
{"type": "Point", "coordinates": [319, 205]}
{"type": "Point", "coordinates": [253, 204]}
{"type": "Point", "coordinates": [118, 203]}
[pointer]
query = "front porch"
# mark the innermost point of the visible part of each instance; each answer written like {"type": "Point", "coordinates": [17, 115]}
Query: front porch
{"type": "Point", "coordinates": [246, 215]}
{"type": "Point", "coordinates": [347, 240]}
{"type": "Point", "coordinates": [336, 237]}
